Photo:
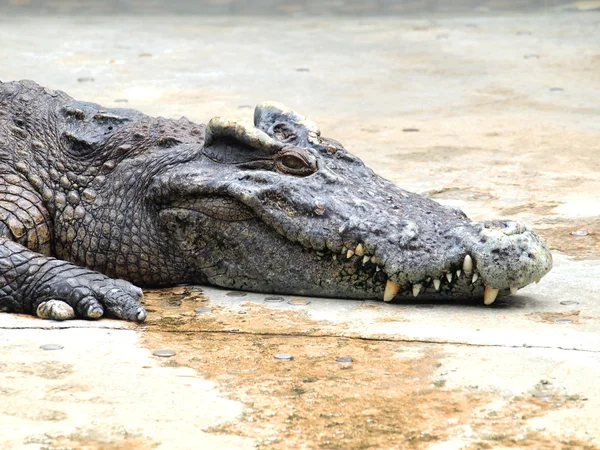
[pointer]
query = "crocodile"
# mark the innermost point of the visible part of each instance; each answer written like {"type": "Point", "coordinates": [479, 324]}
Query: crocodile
{"type": "Point", "coordinates": [97, 201]}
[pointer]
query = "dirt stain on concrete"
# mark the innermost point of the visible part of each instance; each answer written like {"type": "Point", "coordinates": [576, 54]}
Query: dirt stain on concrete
{"type": "Point", "coordinates": [387, 396]}
{"type": "Point", "coordinates": [94, 439]}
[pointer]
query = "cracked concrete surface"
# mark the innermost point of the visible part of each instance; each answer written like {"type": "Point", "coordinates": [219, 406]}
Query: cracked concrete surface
{"type": "Point", "coordinates": [505, 110]}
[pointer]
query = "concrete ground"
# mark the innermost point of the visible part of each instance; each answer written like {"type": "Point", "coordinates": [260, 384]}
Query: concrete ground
{"type": "Point", "coordinates": [496, 115]}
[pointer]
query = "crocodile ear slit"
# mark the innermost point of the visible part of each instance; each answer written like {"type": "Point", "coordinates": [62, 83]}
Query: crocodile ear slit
{"type": "Point", "coordinates": [225, 128]}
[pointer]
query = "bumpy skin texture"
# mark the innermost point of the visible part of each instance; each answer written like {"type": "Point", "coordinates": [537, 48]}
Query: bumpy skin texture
{"type": "Point", "coordinates": [273, 207]}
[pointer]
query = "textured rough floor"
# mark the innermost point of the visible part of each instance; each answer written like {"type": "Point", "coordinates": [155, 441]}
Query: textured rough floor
{"type": "Point", "coordinates": [495, 115]}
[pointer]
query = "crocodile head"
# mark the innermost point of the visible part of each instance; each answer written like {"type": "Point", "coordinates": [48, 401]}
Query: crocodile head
{"type": "Point", "coordinates": [276, 207]}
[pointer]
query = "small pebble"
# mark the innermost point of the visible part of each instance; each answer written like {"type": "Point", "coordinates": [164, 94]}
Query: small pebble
{"type": "Point", "coordinates": [344, 359]}
{"type": "Point", "coordinates": [236, 294]}
{"type": "Point", "coordinates": [298, 301]}
{"type": "Point", "coordinates": [302, 69]}
{"type": "Point", "coordinates": [556, 89]}
{"type": "Point", "coordinates": [52, 347]}
{"type": "Point", "coordinates": [85, 79]}
{"type": "Point", "coordinates": [121, 100]}
{"type": "Point", "coordinates": [245, 106]}
{"type": "Point", "coordinates": [284, 356]}
{"type": "Point", "coordinates": [579, 233]}
{"type": "Point", "coordinates": [569, 302]}
{"type": "Point", "coordinates": [166, 353]}
{"type": "Point", "coordinates": [273, 299]}
{"type": "Point", "coordinates": [410, 130]}
{"type": "Point", "coordinates": [543, 395]}
{"type": "Point", "coordinates": [203, 310]}
{"type": "Point", "coordinates": [564, 320]}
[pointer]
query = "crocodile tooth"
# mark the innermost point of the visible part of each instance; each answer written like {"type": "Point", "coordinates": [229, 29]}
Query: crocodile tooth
{"type": "Point", "coordinates": [513, 290]}
{"type": "Point", "coordinates": [349, 254]}
{"type": "Point", "coordinates": [377, 269]}
{"type": "Point", "coordinates": [475, 277]}
{"type": "Point", "coordinates": [436, 284]}
{"type": "Point", "coordinates": [428, 279]}
{"type": "Point", "coordinates": [417, 289]}
{"type": "Point", "coordinates": [449, 276]}
{"type": "Point", "coordinates": [373, 260]}
{"type": "Point", "coordinates": [489, 295]}
{"type": "Point", "coordinates": [391, 289]}
{"type": "Point", "coordinates": [366, 259]}
{"type": "Point", "coordinates": [458, 273]}
{"type": "Point", "coordinates": [344, 250]}
{"type": "Point", "coordinates": [359, 250]}
{"type": "Point", "coordinates": [334, 257]}
{"type": "Point", "coordinates": [468, 264]}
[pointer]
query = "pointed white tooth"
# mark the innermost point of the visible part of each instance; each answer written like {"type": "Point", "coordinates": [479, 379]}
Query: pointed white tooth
{"type": "Point", "coordinates": [349, 254]}
{"type": "Point", "coordinates": [428, 279]}
{"type": "Point", "coordinates": [334, 257]}
{"type": "Point", "coordinates": [416, 289]}
{"type": "Point", "coordinates": [436, 284]}
{"type": "Point", "coordinates": [468, 264]}
{"type": "Point", "coordinates": [391, 289]}
{"type": "Point", "coordinates": [359, 250]}
{"type": "Point", "coordinates": [377, 269]}
{"type": "Point", "coordinates": [366, 259]}
{"type": "Point", "coordinates": [475, 277]}
{"type": "Point", "coordinates": [344, 250]}
{"type": "Point", "coordinates": [513, 290]}
{"type": "Point", "coordinates": [449, 277]}
{"type": "Point", "coordinates": [489, 295]}
{"type": "Point", "coordinates": [458, 274]}
{"type": "Point", "coordinates": [373, 260]}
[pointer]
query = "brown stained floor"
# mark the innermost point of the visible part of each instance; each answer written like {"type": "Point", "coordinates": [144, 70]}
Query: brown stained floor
{"type": "Point", "coordinates": [387, 397]}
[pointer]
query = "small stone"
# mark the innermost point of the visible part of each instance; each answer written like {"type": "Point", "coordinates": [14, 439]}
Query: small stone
{"type": "Point", "coordinates": [344, 359]}
{"type": "Point", "coordinates": [52, 347]}
{"type": "Point", "coordinates": [236, 294]}
{"type": "Point", "coordinates": [274, 299]}
{"type": "Point", "coordinates": [284, 356]}
{"type": "Point", "coordinates": [410, 130]}
{"type": "Point", "coordinates": [543, 395]}
{"type": "Point", "coordinates": [85, 79]}
{"type": "Point", "coordinates": [121, 100]}
{"type": "Point", "coordinates": [298, 301]}
{"type": "Point", "coordinates": [179, 290]}
{"type": "Point", "coordinates": [569, 302]}
{"type": "Point", "coordinates": [165, 353]}
{"type": "Point", "coordinates": [245, 106]}
{"type": "Point", "coordinates": [556, 89]}
{"type": "Point", "coordinates": [564, 320]}
{"type": "Point", "coordinates": [204, 310]}
{"type": "Point", "coordinates": [579, 233]}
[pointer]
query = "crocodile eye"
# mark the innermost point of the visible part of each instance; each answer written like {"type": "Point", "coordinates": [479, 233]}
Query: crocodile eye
{"type": "Point", "coordinates": [294, 163]}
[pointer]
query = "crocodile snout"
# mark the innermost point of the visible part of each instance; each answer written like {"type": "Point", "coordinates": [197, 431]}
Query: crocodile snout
{"type": "Point", "coordinates": [507, 255]}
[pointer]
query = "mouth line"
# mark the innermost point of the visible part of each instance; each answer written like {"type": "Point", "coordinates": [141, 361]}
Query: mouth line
{"type": "Point", "coordinates": [456, 282]}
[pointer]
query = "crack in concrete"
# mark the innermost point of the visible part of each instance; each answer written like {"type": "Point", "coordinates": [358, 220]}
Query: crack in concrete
{"type": "Point", "coordinates": [322, 336]}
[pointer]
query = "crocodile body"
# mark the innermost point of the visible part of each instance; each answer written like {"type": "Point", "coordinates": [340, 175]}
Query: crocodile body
{"type": "Point", "coordinates": [96, 201]}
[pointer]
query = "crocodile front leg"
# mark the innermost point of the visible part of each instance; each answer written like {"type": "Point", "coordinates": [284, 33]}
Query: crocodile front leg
{"type": "Point", "coordinates": [53, 289]}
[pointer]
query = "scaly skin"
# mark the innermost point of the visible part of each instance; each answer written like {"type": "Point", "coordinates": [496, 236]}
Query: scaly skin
{"type": "Point", "coordinates": [273, 207]}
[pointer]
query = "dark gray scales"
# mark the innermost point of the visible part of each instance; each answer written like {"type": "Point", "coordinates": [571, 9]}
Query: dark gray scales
{"type": "Point", "coordinates": [93, 196]}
